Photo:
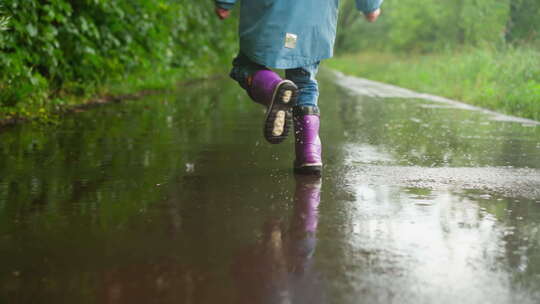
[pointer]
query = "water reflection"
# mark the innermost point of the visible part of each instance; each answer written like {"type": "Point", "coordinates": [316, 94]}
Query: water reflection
{"type": "Point", "coordinates": [280, 267]}
{"type": "Point", "coordinates": [153, 201]}
{"type": "Point", "coordinates": [417, 245]}
{"type": "Point", "coordinates": [167, 281]}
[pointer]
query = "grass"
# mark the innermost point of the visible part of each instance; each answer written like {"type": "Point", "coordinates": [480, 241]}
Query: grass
{"type": "Point", "coordinates": [76, 94]}
{"type": "Point", "coordinates": [504, 80]}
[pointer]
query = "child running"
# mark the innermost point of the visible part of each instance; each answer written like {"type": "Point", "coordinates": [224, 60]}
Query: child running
{"type": "Point", "coordinates": [294, 35]}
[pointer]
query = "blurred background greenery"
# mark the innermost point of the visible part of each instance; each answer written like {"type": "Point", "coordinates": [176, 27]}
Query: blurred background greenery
{"type": "Point", "coordinates": [61, 52]}
{"type": "Point", "coordinates": [434, 25]}
{"type": "Point", "coordinates": [485, 52]}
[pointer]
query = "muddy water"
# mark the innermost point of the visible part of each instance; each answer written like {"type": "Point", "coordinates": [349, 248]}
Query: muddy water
{"type": "Point", "coordinates": [177, 199]}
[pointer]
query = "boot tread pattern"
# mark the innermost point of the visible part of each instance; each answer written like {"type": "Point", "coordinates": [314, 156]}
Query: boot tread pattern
{"type": "Point", "coordinates": [279, 123]}
{"type": "Point", "coordinates": [287, 96]}
{"type": "Point", "coordinates": [278, 119]}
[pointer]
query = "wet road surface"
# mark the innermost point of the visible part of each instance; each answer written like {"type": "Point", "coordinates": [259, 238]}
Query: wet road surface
{"type": "Point", "coordinates": [177, 199]}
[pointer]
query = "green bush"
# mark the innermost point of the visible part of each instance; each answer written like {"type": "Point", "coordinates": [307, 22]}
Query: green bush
{"type": "Point", "coordinates": [485, 52]}
{"type": "Point", "coordinates": [434, 25]}
{"type": "Point", "coordinates": [54, 47]}
{"type": "Point", "coordinates": [506, 79]}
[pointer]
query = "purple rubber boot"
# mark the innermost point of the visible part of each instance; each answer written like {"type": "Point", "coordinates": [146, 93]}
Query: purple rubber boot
{"type": "Point", "coordinates": [307, 144]}
{"type": "Point", "coordinates": [279, 96]}
{"type": "Point", "coordinates": [307, 197]}
{"type": "Point", "coordinates": [303, 225]}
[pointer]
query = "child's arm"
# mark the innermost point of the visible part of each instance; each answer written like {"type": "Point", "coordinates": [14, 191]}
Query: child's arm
{"type": "Point", "coordinates": [370, 8]}
{"type": "Point", "coordinates": [223, 8]}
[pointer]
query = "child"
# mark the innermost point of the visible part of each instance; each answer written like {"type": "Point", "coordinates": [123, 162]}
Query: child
{"type": "Point", "coordinates": [294, 35]}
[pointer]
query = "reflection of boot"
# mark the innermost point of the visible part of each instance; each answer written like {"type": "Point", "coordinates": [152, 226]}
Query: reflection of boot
{"type": "Point", "coordinates": [307, 144]}
{"type": "Point", "coordinates": [303, 225]}
{"type": "Point", "coordinates": [279, 268]}
{"type": "Point", "coordinates": [278, 95]}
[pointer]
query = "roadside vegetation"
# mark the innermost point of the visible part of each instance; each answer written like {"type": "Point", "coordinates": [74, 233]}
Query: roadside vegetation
{"type": "Point", "coordinates": [63, 52]}
{"type": "Point", "coordinates": [485, 52]}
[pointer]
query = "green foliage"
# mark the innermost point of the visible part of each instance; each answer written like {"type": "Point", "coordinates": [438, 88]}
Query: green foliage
{"type": "Point", "coordinates": [480, 51]}
{"type": "Point", "coordinates": [4, 21]}
{"type": "Point", "coordinates": [408, 25]}
{"type": "Point", "coordinates": [524, 24]}
{"type": "Point", "coordinates": [507, 79]}
{"type": "Point", "coordinates": [71, 47]}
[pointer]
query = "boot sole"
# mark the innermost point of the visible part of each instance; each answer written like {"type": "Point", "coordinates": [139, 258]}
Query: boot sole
{"type": "Point", "coordinates": [278, 120]}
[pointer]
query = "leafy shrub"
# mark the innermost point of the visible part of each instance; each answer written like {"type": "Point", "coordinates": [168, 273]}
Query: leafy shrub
{"type": "Point", "coordinates": [57, 46]}
{"type": "Point", "coordinates": [432, 25]}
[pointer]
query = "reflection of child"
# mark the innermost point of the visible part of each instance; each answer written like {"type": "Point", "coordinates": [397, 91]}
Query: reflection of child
{"type": "Point", "coordinates": [280, 267]}
{"type": "Point", "coordinates": [295, 36]}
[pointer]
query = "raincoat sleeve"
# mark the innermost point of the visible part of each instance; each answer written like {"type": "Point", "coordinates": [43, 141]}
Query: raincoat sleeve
{"type": "Point", "coordinates": [225, 4]}
{"type": "Point", "coordinates": [365, 6]}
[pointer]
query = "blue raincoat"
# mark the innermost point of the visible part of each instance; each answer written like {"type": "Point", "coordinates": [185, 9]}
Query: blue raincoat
{"type": "Point", "coordinates": [287, 34]}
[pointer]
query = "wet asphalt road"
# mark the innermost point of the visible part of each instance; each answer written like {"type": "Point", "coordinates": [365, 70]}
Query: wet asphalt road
{"type": "Point", "coordinates": [177, 199]}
